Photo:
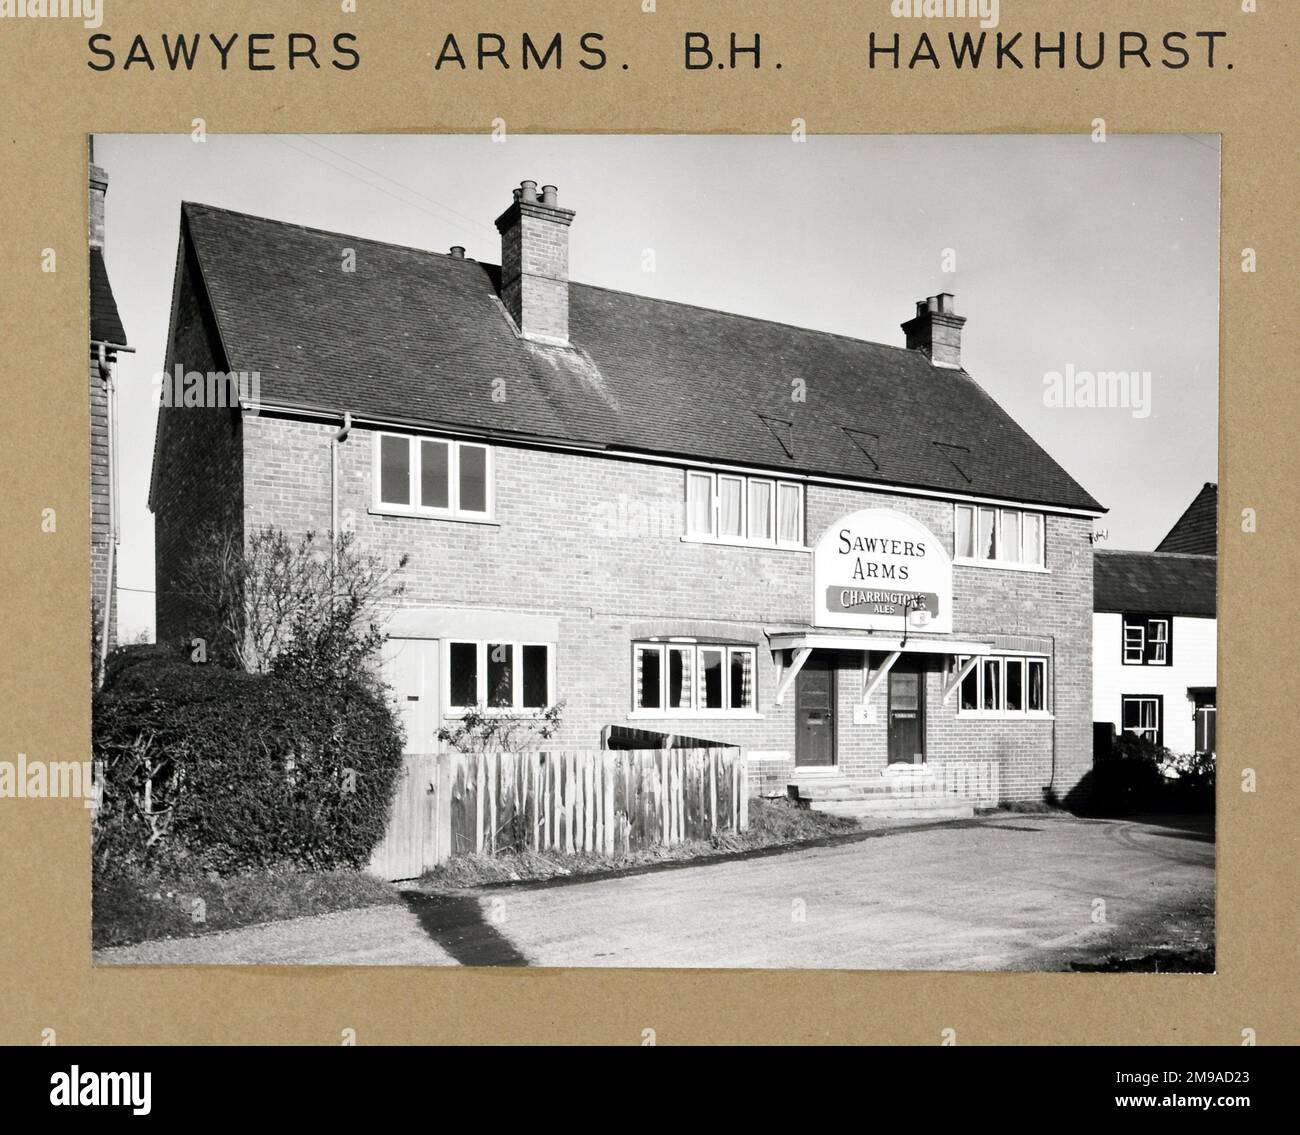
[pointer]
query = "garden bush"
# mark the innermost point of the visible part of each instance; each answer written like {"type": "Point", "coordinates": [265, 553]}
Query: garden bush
{"type": "Point", "coordinates": [221, 770]}
{"type": "Point", "coordinates": [1133, 774]}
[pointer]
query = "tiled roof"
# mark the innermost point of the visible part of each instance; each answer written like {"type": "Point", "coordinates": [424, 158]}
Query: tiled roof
{"type": "Point", "coordinates": [105, 323]}
{"type": "Point", "coordinates": [420, 337]}
{"type": "Point", "coordinates": [1197, 529]}
{"type": "Point", "coordinates": [1157, 582]}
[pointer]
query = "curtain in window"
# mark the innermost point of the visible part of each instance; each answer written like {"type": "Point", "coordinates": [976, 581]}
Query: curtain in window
{"type": "Point", "coordinates": [742, 679]}
{"type": "Point", "coordinates": [963, 544]}
{"type": "Point", "coordinates": [679, 679]}
{"type": "Point", "coordinates": [699, 504]}
{"type": "Point", "coordinates": [760, 510]}
{"type": "Point", "coordinates": [1010, 535]}
{"type": "Point", "coordinates": [648, 678]}
{"type": "Point", "coordinates": [1034, 539]}
{"type": "Point", "coordinates": [987, 548]}
{"type": "Point", "coordinates": [731, 519]}
{"type": "Point", "coordinates": [788, 521]}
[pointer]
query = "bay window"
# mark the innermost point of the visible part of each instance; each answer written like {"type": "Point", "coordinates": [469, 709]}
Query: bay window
{"type": "Point", "coordinates": [672, 679]}
{"type": "Point", "coordinates": [1011, 685]}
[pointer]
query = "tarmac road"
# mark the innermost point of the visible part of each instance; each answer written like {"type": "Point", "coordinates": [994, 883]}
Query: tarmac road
{"type": "Point", "coordinates": [1022, 892]}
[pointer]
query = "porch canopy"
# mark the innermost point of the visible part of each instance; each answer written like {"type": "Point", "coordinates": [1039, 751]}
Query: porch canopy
{"type": "Point", "coordinates": [802, 641]}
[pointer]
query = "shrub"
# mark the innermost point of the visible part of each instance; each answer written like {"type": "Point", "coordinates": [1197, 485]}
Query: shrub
{"type": "Point", "coordinates": [221, 770]}
{"type": "Point", "coordinates": [1137, 775]}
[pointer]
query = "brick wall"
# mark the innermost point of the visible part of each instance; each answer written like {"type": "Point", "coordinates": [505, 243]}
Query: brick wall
{"type": "Point", "coordinates": [198, 479]}
{"type": "Point", "coordinates": [596, 543]}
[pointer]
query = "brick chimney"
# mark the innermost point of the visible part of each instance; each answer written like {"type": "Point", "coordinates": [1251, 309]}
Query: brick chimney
{"type": "Point", "coordinates": [936, 330]}
{"type": "Point", "coordinates": [535, 263]}
{"type": "Point", "coordinates": [98, 191]}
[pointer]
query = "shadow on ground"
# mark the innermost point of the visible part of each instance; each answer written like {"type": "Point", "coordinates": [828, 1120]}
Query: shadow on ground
{"type": "Point", "coordinates": [457, 924]}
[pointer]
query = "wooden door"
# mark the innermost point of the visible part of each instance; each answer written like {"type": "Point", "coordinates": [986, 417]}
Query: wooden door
{"type": "Point", "coordinates": [814, 700]}
{"type": "Point", "coordinates": [906, 714]}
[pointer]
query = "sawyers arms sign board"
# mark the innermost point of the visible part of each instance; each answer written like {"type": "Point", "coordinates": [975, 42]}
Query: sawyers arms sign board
{"type": "Point", "coordinates": [876, 569]}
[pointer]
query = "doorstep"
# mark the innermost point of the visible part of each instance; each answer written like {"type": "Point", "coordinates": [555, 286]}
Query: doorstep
{"type": "Point", "coordinates": [903, 795]}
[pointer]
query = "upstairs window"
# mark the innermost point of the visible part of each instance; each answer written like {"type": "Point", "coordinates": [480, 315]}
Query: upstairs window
{"type": "Point", "coordinates": [736, 509]}
{"type": "Point", "coordinates": [988, 535]}
{"type": "Point", "coordinates": [1147, 640]}
{"type": "Point", "coordinates": [675, 679]}
{"type": "Point", "coordinates": [433, 476]}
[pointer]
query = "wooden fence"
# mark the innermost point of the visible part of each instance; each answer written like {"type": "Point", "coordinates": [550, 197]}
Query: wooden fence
{"type": "Point", "coordinates": [604, 802]}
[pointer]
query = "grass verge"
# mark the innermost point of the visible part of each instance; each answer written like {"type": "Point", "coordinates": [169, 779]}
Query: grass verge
{"type": "Point", "coordinates": [130, 906]}
{"type": "Point", "coordinates": [772, 823]}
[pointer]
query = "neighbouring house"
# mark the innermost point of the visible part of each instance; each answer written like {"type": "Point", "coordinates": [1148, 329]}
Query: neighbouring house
{"type": "Point", "coordinates": [1155, 636]}
{"type": "Point", "coordinates": [107, 339]}
{"type": "Point", "coordinates": [1196, 532]}
{"type": "Point", "coordinates": [841, 556]}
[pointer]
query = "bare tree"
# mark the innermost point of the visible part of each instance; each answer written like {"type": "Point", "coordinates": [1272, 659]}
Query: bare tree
{"type": "Point", "coordinates": [271, 599]}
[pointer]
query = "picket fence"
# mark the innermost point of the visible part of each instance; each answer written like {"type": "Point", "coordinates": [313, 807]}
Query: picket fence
{"type": "Point", "coordinates": [606, 802]}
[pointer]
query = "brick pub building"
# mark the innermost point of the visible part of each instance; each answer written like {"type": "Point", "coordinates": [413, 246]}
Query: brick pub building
{"type": "Point", "coordinates": [843, 557]}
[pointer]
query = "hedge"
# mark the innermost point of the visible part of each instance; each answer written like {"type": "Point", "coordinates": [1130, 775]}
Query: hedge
{"type": "Point", "coordinates": [227, 771]}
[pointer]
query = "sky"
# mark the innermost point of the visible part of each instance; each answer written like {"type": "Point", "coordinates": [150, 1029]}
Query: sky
{"type": "Point", "coordinates": [1061, 252]}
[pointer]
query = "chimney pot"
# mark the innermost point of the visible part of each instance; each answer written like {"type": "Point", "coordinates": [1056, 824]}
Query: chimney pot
{"type": "Point", "coordinates": [936, 330]}
{"type": "Point", "coordinates": [458, 252]}
{"type": "Point", "coordinates": [535, 264]}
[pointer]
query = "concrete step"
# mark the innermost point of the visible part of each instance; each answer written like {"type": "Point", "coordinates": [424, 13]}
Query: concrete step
{"type": "Point", "coordinates": [902, 808]}
{"type": "Point", "coordinates": [857, 789]}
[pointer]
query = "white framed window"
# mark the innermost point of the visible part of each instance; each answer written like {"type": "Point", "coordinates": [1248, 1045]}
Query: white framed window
{"type": "Point", "coordinates": [1011, 686]}
{"type": "Point", "coordinates": [998, 537]}
{"type": "Point", "coordinates": [1147, 640]}
{"type": "Point", "coordinates": [501, 676]}
{"type": "Point", "coordinates": [430, 476]}
{"type": "Point", "coordinates": [1141, 715]}
{"type": "Point", "coordinates": [735, 509]}
{"type": "Point", "coordinates": [674, 679]}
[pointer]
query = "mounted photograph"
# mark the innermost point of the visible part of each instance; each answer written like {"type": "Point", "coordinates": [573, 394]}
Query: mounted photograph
{"type": "Point", "coordinates": [679, 551]}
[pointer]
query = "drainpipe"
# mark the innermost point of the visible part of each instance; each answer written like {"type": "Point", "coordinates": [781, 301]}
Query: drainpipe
{"type": "Point", "coordinates": [1051, 780]}
{"type": "Point", "coordinates": [340, 437]}
{"type": "Point", "coordinates": [110, 396]}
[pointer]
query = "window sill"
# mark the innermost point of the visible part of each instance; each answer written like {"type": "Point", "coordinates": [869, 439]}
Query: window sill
{"type": "Point", "coordinates": [694, 715]}
{"type": "Point", "coordinates": [1002, 715]}
{"type": "Point", "coordinates": [451, 713]}
{"type": "Point", "coordinates": [728, 543]}
{"type": "Point", "coordinates": [1003, 565]}
{"type": "Point", "coordinates": [1149, 665]}
{"type": "Point", "coordinates": [416, 514]}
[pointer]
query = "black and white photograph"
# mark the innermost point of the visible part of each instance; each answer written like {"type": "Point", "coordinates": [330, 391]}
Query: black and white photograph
{"type": "Point", "coordinates": [712, 552]}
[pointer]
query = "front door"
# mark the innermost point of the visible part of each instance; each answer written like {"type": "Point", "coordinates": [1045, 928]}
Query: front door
{"type": "Point", "coordinates": [814, 703]}
{"type": "Point", "coordinates": [411, 671]}
{"type": "Point", "coordinates": [906, 714]}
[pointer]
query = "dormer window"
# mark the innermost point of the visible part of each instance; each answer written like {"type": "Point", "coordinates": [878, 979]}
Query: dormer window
{"type": "Point", "coordinates": [430, 476]}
